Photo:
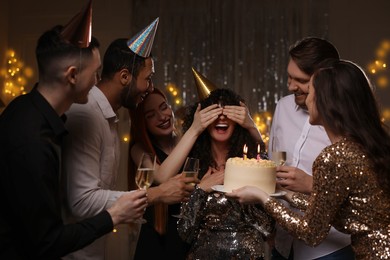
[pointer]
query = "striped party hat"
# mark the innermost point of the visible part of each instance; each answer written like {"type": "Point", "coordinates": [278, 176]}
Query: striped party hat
{"type": "Point", "coordinates": [141, 44]}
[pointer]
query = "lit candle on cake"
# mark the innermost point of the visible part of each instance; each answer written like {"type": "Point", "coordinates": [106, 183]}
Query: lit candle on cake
{"type": "Point", "coordinates": [245, 150]}
{"type": "Point", "coordinates": [258, 152]}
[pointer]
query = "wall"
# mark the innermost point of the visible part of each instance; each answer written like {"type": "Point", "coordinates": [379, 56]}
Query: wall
{"type": "Point", "coordinates": [358, 28]}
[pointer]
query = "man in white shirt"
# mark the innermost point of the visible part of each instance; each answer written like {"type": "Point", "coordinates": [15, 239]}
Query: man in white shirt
{"type": "Point", "coordinates": [91, 154]}
{"type": "Point", "coordinates": [292, 132]}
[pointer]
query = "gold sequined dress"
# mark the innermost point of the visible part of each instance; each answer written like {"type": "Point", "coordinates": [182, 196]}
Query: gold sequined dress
{"type": "Point", "coordinates": [345, 195]}
{"type": "Point", "coordinates": [217, 227]}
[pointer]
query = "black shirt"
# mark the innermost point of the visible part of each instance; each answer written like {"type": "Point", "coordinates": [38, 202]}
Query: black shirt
{"type": "Point", "coordinates": [31, 225]}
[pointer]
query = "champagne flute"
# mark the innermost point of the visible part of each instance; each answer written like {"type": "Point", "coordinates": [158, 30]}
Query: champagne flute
{"type": "Point", "coordinates": [145, 172]}
{"type": "Point", "coordinates": [279, 157]}
{"type": "Point", "coordinates": [191, 168]}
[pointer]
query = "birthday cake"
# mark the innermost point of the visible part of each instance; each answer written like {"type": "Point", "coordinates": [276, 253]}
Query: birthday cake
{"type": "Point", "coordinates": [250, 172]}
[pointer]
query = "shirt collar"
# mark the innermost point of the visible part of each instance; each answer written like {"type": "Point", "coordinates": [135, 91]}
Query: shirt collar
{"type": "Point", "coordinates": [298, 108]}
{"type": "Point", "coordinates": [56, 122]}
{"type": "Point", "coordinates": [103, 104]}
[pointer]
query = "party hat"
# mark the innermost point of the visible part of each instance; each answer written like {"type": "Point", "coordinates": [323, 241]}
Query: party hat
{"type": "Point", "coordinates": [79, 30]}
{"type": "Point", "coordinates": [203, 85]}
{"type": "Point", "coordinates": [141, 44]}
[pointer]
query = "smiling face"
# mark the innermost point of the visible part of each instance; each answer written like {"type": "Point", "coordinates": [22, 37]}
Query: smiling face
{"type": "Point", "coordinates": [158, 115]}
{"type": "Point", "coordinates": [139, 87]}
{"type": "Point", "coordinates": [221, 130]}
{"type": "Point", "coordinates": [297, 83]}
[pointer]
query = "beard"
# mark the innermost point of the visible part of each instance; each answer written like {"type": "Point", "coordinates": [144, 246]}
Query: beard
{"type": "Point", "coordinates": [129, 96]}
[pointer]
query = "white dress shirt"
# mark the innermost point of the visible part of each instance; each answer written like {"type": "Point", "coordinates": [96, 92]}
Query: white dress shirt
{"type": "Point", "coordinates": [292, 132]}
{"type": "Point", "coordinates": [90, 164]}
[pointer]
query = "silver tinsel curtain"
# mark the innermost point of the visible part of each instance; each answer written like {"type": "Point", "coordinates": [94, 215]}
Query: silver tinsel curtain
{"type": "Point", "coordinates": [238, 44]}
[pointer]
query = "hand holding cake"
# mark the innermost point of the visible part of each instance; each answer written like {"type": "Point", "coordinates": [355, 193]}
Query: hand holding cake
{"type": "Point", "coordinates": [249, 195]}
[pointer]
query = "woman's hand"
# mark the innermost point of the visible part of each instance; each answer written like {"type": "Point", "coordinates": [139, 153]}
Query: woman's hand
{"type": "Point", "coordinates": [249, 195]}
{"type": "Point", "coordinates": [203, 118]}
{"type": "Point", "coordinates": [211, 178]}
{"type": "Point", "coordinates": [240, 115]}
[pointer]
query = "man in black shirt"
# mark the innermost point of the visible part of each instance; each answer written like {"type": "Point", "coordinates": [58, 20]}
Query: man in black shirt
{"type": "Point", "coordinates": [31, 131]}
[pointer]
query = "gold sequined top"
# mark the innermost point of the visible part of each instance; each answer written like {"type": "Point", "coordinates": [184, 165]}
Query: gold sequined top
{"type": "Point", "coordinates": [345, 195]}
{"type": "Point", "coordinates": [217, 227]}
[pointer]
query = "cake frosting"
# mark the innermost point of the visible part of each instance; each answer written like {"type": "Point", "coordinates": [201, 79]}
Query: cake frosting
{"type": "Point", "coordinates": [250, 172]}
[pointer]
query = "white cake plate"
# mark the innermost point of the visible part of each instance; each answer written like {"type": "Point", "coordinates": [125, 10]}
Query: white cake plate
{"type": "Point", "coordinates": [220, 188]}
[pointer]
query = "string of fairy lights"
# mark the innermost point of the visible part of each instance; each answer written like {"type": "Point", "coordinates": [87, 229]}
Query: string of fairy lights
{"type": "Point", "coordinates": [378, 68]}
{"type": "Point", "coordinates": [15, 75]}
{"type": "Point", "coordinates": [379, 73]}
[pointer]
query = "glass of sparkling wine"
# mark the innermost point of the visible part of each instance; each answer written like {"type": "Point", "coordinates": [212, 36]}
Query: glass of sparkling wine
{"type": "Point", "coordinates": [191, 167]}
{"type": "Point", "coordinates": [145, 172]}
{"type": "Point", "coordinates": [279, 157]}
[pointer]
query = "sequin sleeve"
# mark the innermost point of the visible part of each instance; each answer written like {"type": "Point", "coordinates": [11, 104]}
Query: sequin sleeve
{"type": "Point", "coordinates": [191, 215]}
{"type": "Point", "coordinates": [299, 200]}
{"type": "Point", "coordinates": [330, 189]}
